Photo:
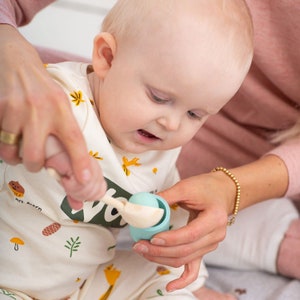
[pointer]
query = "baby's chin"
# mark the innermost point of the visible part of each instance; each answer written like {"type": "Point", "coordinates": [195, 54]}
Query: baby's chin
{"type": "Point", "coordinates": [132, 148]}
{"type": "Point", "coordinates": [136, 148]}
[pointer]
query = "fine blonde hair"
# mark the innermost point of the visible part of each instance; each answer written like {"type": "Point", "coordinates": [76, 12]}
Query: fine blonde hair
{"type": "Point", "coordinates": [227, 24]}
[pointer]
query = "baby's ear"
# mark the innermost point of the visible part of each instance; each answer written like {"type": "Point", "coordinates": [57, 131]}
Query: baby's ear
{"type": "Point", "coordinates": [103, 53]}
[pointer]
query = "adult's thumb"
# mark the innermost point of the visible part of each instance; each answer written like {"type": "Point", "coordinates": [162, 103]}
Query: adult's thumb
{"type": "Point", "coordinates": [173, 194]}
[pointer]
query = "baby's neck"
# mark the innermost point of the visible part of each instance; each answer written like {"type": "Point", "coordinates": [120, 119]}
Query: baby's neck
{"type": "Point", "coordinates": [94, 86]}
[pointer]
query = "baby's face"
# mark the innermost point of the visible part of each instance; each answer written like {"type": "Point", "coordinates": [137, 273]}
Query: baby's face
{"type": "Point", "coordinates": [159, 91]}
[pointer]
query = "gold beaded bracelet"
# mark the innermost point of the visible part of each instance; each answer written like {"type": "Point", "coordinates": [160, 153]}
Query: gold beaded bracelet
{"type": "Point", "coordinates": [232, 217]}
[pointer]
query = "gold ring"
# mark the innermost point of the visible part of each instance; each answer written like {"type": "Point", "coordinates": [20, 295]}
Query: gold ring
{"type": "Point", "coordinates": [9, 138]}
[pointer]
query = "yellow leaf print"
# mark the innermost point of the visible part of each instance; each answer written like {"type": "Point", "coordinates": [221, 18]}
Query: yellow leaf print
{"type": "Point", "coordinates": [77, 97]}
{"type": "Point", "coordinates": [112, 274]}
{"type": "Point", "coordinates": [92, 102]}
{"type": "Point", "coordinates": [95, 155]}
{"type": "Point", "coordinates": [174, 206]}
{"type": "Point", "coordinates": [161, 270]}
{"type": "Point", "coordinates": [154, 170]}
{"type": "Point", "coordinates": [127, 163]}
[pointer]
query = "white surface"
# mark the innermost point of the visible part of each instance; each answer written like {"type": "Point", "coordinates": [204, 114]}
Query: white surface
{"type": "Point", "coordinates": [68, 25]}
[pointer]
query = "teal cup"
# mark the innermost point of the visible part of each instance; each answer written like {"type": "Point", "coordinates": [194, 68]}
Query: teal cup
{"type": "Point", "coordinates": [152, 200]}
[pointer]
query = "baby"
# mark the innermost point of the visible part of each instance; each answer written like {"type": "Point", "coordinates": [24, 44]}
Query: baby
{"type": "Point", "coordinates": [159, 69]}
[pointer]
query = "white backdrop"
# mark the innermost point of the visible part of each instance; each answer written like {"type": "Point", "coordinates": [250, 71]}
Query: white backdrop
{"type": "Point", "coordinates": [68, 25]}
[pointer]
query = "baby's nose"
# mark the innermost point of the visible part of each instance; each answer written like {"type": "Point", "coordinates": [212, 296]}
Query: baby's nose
{"type": "Point", "coordinates": [170, 123]}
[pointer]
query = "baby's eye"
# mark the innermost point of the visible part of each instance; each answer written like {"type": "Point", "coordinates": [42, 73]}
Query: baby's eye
{"type": "Point", "coordinates": [158, 99]}
{"type": "Point", "coordinates": [195, 116]}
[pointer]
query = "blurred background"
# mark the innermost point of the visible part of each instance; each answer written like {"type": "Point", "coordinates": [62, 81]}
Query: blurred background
{"type": "Point", "coordinates": [68, 25]}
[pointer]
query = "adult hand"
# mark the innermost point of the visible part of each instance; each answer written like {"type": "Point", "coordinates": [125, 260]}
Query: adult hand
{"type": "Point", "coordinates": [59, 166]}
{"type": "Point", "coordinates": [33, 106]}
{"type": "Point", "coordinates": [209, 198]}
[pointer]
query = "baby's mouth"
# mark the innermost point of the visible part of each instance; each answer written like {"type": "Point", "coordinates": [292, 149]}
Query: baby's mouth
{"type": "Point", "coordinates": [147, 134]}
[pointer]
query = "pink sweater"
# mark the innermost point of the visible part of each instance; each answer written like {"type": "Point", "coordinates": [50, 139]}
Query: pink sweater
{"type": "Point", "coordinates": [268, 101]}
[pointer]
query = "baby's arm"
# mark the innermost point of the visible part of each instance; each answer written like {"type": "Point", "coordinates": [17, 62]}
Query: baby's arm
{"type": "Point", "coordinates": [58, 164]}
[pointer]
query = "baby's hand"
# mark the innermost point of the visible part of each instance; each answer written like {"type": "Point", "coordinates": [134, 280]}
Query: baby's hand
{"type": "Point", "coordinates": [59, 165]}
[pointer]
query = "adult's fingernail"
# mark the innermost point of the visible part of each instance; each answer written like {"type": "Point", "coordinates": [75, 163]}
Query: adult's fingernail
{"type": "Point", "coordinates": [140, 248]}
{"type": "Point", "coordinates": [158, 242]}
{"type": "Point", "coordinates": [170, 290]}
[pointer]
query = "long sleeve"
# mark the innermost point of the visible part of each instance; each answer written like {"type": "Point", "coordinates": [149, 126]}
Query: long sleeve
{"type": "Point", "coordinates": [289, 152]}
{"type": "Point", "coordinates": [20, 12]}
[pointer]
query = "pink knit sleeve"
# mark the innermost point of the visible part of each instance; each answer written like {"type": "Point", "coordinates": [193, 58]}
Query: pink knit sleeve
{"type": "Point", "coordinates": [289, 152]}
{"type": "Point", "coordinates": [20, 12]}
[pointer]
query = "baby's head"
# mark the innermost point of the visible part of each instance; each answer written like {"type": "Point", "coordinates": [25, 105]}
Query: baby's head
{"type": "Point", "coordinates": [186, 57]}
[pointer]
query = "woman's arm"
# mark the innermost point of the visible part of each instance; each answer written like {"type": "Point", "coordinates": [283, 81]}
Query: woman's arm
{"type": "Point", "coordinates": [210, 199]}
{"type": "Point", "coordinates": [20, 12]}
{"type": "Point", "coordinates": [32, 105]}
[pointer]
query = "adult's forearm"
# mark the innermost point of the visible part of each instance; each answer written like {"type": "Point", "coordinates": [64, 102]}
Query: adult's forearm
{"type": "Point", "coordinates": [263, 179]}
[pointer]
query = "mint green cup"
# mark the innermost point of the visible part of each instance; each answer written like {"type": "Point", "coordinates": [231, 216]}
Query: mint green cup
{"type": "Point", "coordinates": [151, 200]}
